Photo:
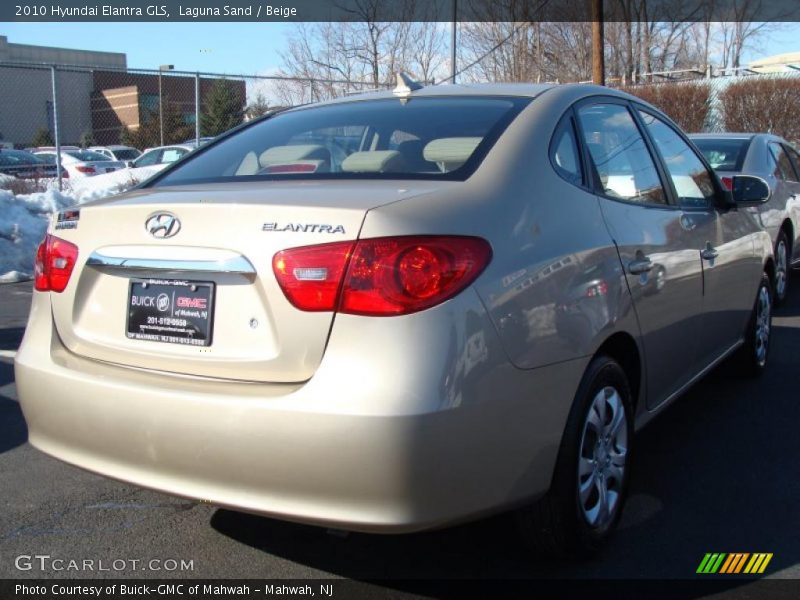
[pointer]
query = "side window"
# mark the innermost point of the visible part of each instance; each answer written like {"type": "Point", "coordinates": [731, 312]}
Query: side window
{"type": "Point", "coordinates": [619, 155]}
{"type": "Point", "coordinates": [564, 153]}
{"type": "Point", "coordinates": [171, 155]}
{"type": "Point", "coordinates": [784, 169]}
{"type": "Point", "coordinates": [794, 157]}
{"type": "Point", "coordinates": [694, 184]}
{"type": "Point", "coordinates": [149, 158]}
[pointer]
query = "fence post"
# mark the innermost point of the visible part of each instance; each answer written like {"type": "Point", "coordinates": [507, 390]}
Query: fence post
{"type": "Point", "coordinates": [55, 125]}
{"type": "Point", "coordinates": [197, 108]}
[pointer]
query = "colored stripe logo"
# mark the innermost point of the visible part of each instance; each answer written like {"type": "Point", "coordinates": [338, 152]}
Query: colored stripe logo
{"type": "Point", "coordinates": [733, 563]}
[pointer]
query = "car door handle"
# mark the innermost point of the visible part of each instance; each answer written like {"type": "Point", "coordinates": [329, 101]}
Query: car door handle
{"type": "Point", "coordinates": [640, 265]}
{"type": "Point", "coordinates": [709, 252]}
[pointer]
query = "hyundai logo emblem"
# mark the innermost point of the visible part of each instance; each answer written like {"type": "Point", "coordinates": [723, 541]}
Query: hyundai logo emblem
{"type": "Point", "coordinates": [163, 225]}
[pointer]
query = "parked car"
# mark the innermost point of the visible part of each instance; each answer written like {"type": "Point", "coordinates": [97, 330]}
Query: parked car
{"type": "Point", "coordinates": [273, 328]}
{"type": "Point", "coordinates": [81, 163]}
{"type": "Point", "coordinates": [162, 155]}
{"type": "Point", "coordinates": [203, 140]}
{"type": "Point", "coordinates": [121, 153]}
{"type": "Point", "coordinates": [24, 165]}
{"type": "Point", "coordinates": [778, 163]}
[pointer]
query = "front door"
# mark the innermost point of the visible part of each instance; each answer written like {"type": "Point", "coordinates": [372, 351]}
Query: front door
{"type": "Point", "coordinates": [655, 244]}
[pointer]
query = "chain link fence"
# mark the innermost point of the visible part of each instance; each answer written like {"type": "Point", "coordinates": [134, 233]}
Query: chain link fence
{"type": "Point", "coordinates": [44, 105]}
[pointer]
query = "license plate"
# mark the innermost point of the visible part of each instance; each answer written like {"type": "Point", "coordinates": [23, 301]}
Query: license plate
{"type": "Point", "coordinates": [171, 311]}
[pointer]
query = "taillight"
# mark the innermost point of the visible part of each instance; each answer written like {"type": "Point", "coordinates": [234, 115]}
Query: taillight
{"type": "Point", "coordinates": [599, 289]}
{"type": "Point", "coordinates": [81, 169]}
{"type": "Point", "coordinates": [64, 173]}
{"type": "Point", "coordinates": [384, 276]}
{"type": "Point", "coordinates": [728, 183]}
{"type": "Point", "coordinates": [55, 260]}
{"type": "Point", "coordinates": [310, 276]}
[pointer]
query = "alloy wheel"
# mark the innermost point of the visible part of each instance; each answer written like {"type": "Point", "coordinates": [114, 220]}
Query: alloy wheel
{"type": "Point", "coordinates": [602, 459]}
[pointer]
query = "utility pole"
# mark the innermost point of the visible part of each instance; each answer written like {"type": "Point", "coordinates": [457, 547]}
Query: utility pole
{"type": "Point", "coordinates": [161, 69]}
{"type": "Point", "coordinates": [598, 57]}
{"type": "Point", "coordinates": [453, 43]}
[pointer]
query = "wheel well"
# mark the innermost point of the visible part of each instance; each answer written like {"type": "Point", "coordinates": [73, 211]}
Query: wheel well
{"type": "Point", "coordinates": [623, 349]}
{"type": "Point", "coordinates": [769, 269]}
{"type": "Point", "coordinates": [786, 227]}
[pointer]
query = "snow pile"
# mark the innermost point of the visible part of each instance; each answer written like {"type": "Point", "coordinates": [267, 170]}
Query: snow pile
{"type": "Point", "coordinates": [24, 217]}
{"type": "Point", "coordinates": [23, 221]}
{"type": "Point", "coordinates": [108, 184]}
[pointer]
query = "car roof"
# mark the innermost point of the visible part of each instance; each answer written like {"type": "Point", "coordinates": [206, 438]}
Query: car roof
{"type": "Point", "coordinates": [184, 146]}
{"type": "Point", "coordinates": [731, 135]}
{"type": "Point", "coordinates": [529, 90]}
{"type": "Point", "coordinates": [112, 147]}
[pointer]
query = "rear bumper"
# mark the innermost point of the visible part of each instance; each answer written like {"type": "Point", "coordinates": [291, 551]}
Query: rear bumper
{"type": "Point", "coordinates": [348, 449]}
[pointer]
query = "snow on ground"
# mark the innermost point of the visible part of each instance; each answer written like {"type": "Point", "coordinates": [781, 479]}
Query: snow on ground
{"type": "Point", "coordinates": [108, 184]}
{"type": "Point", "coordinates": [24, 217]}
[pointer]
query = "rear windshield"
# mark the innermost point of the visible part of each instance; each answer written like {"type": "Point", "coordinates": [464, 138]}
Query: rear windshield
{"type": "Point", "coordinates": [421, 138]}
{"type": "Point", "coordinates": [129, 154]}
{"type": "Point", "coordinates": [87, 155]}
{"type": "Point", "coordinates": [10, 158]}
{"type": "Point", "coordinates": [724, 154]}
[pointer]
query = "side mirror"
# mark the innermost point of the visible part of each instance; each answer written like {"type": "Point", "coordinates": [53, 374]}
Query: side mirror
{"type": "Point", "coordinates": [748, 190]}
{"type": "Point", "coordinates": [129, 163]}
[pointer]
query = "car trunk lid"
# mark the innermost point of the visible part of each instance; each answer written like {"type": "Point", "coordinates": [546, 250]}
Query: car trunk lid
{"type": "Point", "coordinates": [227, 237]}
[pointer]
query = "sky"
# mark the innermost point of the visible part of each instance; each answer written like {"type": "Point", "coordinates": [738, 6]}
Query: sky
{"type": "Point", "coordinates": [231, 48]}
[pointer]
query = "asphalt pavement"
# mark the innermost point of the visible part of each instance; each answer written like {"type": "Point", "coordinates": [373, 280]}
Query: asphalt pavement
{"type": "Point", "coordinates": [717, 472]}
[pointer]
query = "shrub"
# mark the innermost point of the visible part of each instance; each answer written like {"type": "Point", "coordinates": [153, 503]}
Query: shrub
{"type": "Point", "coordinates": [685, 103]}
{"type": "Point", "coordinates": [763, 104]}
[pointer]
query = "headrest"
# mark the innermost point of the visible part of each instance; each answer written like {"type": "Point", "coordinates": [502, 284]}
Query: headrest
{"type": "Point", "coordinates": [376, 161]}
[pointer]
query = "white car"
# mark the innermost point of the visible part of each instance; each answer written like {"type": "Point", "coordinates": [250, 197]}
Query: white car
{"type": "Point", "coordinates": [81, 163]}
{"type": "Point", "coordinates": [116, 152]}
{"type": "Point", "coordinates": [162, 155]}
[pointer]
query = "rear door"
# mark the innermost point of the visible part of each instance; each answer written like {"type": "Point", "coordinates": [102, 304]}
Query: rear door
{"type": "Point", "coordinates": [793, 203]}
{"type": "Point", "coordinates": [654, 241]}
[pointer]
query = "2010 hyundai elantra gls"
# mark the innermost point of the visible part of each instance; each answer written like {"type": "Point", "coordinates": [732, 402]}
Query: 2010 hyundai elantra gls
{"type": "Point", "coordinates": [400, 310]}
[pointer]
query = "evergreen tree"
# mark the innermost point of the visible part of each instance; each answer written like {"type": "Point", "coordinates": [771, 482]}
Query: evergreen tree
{"type": "Point", "coordinates": [224, 108]}
{"type": "Point", "coordinates": [258, 107]}
{"type": "Point", "coordinates": [87, 139]}
{"type": "Point", "coordinates": [42, 137]}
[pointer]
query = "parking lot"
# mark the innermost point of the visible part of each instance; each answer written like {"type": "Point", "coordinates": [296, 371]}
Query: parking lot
{"type": "Point", "coordinates": [716, 473]}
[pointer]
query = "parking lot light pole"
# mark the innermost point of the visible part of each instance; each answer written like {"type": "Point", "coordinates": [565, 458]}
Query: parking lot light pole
{"type": "Point", "coordinates": [161, 69]}
{"type": "Point", "coordinates": [55, 126]}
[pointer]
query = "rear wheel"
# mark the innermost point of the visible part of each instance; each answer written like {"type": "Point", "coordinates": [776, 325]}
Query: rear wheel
{"type": "Point", "coordinates": [589, 485]}
{"type": "Point", "coordinates": [781, 284]}
{"type": "Point", "coordinates": [752, 356]}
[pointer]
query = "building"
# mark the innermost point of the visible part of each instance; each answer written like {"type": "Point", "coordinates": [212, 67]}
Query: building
{"type": "Point", "coordinates": [25, 53]}
{"type": "Point", "coordinates": [95, 91]}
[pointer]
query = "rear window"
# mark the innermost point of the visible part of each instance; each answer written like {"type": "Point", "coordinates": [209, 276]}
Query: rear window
{"type": "Point", "coordinates": [10, 158]}
{"type": "Point", "coordinates": [723, 154]}
{"type": "Point", "coordinates": [87, 155]}
{"type": "Point", "coordinates": [418, 138]}
{"type": "Point", "coordinates": [126, 154]}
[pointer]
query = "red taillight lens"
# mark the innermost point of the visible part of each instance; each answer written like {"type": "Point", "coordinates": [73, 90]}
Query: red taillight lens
{"type": "Point", "coordinates": [310, 277]}
{"type": "Point", "coordinates": [385, 276]}
{"type": "Point", "coordinates": [728, 183]}
{"type": "Point", "coordinates": [64, 173]}
{"type": "Point", "coordinates": [81, 169]}
{"type": "Point", "coordinates": [55, 260]}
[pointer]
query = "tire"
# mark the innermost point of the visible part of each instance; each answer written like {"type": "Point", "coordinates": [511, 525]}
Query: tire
{"type": "Point", "coordinates": [568, 524]}
{"type": "Point", "coordinates": [752, 357]}
{"type": "Point", "coordinates": [781, 283]}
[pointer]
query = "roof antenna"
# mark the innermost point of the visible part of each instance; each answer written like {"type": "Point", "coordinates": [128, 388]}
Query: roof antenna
{"type": "Point", "coordinates": [405, 85]}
